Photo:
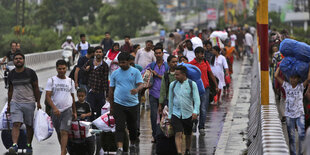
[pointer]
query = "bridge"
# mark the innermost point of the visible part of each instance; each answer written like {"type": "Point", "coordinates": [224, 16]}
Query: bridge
{"type": "Point", "coordinates": [239, 125]}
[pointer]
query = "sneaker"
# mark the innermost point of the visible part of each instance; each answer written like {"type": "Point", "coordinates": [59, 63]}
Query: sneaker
{"type": "Point", "coordinates": [202, 132]}
{"type": "Point", "coordinates": [132, 149]}
{"type": "Point", "coordinates": [187, 152]}
{"type": "Point", "coordinates": [13, 149]}
{"type": "Point", "coordinates": [119, 152]}
{"type": "Point", "coordinates": [28, 149]}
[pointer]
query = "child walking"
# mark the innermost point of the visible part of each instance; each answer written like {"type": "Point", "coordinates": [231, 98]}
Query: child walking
{"type": "Point", "coordinates": [294, 109]}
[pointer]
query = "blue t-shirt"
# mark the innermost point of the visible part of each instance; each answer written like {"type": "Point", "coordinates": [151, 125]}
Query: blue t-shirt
{"type": "Point", "coordinates": [124, 81]}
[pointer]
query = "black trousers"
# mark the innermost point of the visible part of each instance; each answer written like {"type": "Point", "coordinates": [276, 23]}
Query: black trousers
{"type": "Point", "coordinates": [125, 115]}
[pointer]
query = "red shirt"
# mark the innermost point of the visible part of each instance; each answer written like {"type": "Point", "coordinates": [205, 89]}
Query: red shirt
{"type": "Point", "coordinates": [204, 68]}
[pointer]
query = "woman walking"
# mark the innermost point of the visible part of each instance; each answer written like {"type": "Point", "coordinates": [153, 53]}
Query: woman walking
{"type": "Point", "coordinates": [218, 64]}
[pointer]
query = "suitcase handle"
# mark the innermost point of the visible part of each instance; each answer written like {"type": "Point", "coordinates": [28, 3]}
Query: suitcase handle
{"type": "Point", "coordinates": [109, 121]}
{"type": "Point", "coordinates": [78, 121]}
{"type": "Point", "coordinates": [7, 120]}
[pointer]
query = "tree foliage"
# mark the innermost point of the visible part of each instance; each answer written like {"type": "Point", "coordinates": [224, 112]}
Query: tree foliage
{"type": "Point", "coordinates": [129, 16]}
{"type": "Point", "coordinates": [69, 12]}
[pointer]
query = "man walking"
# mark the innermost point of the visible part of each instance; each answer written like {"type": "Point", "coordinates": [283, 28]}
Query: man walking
{"type": "Point", "coordinates": [107, 43]}
{"type": "Point", "coordinates": [125, 84]}
{"type": "Point", "coordinates": [158, 68]}
{"type": "Point", "coordinates": [165, 82]}
{"type": "Point", "coordinates": [83, 45]}
{"type": "Point", "coordinates": [145, 55]}
{"type": "Point", "coordinates": [22, 95]}
{"type": "Point", "coordinates": [9, 57]}
{"type": "Point", "coordinates": [60, 96]}
{"type": "Point", "coordinates": [249, 42]}
{"type": "Point", "coordinates": [80, 77]}
{"type": "Point", "coordinates": [127, 47]}
{"type": "Point", "coordinates": [204, 98]}
{"type": "Point", "coordinates": [98, 86]}
{"type": "Point", "coordinates": [184, 105]}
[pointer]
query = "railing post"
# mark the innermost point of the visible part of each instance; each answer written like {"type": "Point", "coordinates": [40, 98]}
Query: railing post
{"type": "Point", "coordinates": [262, 27]}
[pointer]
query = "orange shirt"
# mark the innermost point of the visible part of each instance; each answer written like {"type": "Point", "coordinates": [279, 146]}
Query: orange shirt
{"type": "Point", "coordinates": [204, 68]}
{"type": "Point", "coordinates": [229, 51]}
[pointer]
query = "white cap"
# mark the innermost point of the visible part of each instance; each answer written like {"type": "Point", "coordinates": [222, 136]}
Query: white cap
{"type": "Point", "coordinates": [69, 38]}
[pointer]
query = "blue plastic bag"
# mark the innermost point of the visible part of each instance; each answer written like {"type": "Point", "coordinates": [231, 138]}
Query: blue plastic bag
{"type": "Point", "coordinates": [287, 47]}
{"type": "Point", "coordinates": [293, 48]}
{"type": "Point", "coordinates": [194, 74]}
{"type": "Point", "coordinates": [291, 66]}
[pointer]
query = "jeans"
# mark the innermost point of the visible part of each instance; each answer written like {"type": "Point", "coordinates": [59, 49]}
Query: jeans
{"type": "Point", "coordinates": [154, 109]}
{"type": "Point", "coordinates": [290, 124]}
{"type": "Point", "coordinates": [96, 101]}
{"type": "Point", "coordinates": [248, 52]}
{"type": "Point", "coordinates": [204, 104]}
{"type": "Point", "coordinates": [125, 115]}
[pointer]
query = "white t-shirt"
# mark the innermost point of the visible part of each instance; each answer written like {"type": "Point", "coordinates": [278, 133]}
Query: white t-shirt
{"type": "Point", "coordinates": [249, 39]}
{"type": "Point", "coordinates": [190, 55]}
{"type": "Point", "coordinates": [84, 46]}
{"type": "Point", "coordinates": [143, 57]}
{"type": "Point", "coordinates": [218, 70]}
{"type": "Point", "coordinates": [233, 39]}
{"type": "Point", "coordinates": [294, 106]}
{"type": "Point", "coordinates": [61, 92]}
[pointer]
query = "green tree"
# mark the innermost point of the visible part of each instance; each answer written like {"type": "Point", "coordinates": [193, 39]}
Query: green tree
{"type": "Point", "coordinates": [129, 16]}
{"type": "Point", "coordinates": [7, 20]}
{"type": "Point", "coordinates": [69, 12]}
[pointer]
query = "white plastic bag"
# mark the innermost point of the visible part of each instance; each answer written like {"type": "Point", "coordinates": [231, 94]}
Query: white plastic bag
{"type": "Point", "coordinates": [105, 122]}
{"type": "Point", "coordinates": [81, 131]}
{"type": "Point", "coordinates": [219, 34]}
{"type": "Point", "coordinates": [196, 41]}
{"type": "Point", "coordinates": [105, 108]}
{"type": "Point", "coordinates": [4, 120]}
{"type": "Point", "coordinates": [216, 41]}
{"type": "Point", "coordinates": [165, 125]}
{"type": "Point", "coordinates": [43, 126]}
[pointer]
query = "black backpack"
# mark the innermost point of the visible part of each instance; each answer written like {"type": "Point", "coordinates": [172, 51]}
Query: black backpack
{"type": "Point", "coordinates": [71, 75]}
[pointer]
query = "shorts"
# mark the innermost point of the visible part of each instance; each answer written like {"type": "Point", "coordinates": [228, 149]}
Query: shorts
{"type": "Point", "coordinates": [64, 121]}
{"type": "Point", "coordinates": [180, 125]}
{"type": "Point", "coordinates": [22, 112]}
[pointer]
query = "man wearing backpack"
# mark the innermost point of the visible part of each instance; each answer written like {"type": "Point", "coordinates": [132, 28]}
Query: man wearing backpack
{"type": "Point", "coordinates": [204, 98]}
{"type": "Point", "coordinates": [158, 69]}
{"type": "Point", "coordinates": [98, 72]}
{"type": "Point", "coordinates": [80, 78]}
{"type": "Point", "coordinates": [83, 45]}
{"type": "Point", "coordinates": [165, 82]}
{"type": "Point", "coordinates": [60, 97]}
{"type": "Point", "coordinates": [184, 103]}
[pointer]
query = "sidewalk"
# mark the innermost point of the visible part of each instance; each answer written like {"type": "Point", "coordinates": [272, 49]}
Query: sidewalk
{"type": "Point", "coordinates": [234, 133]}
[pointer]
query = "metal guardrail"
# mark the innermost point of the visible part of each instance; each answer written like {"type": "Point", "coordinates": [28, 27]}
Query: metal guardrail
{"type": "Point", "coordinates": [44, 60]}
{"type": "Point", "coordinates": [265, 128]}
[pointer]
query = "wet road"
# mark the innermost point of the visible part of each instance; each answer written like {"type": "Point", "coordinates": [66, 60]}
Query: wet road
{"type": "Point", "coordinates": [200, 144]}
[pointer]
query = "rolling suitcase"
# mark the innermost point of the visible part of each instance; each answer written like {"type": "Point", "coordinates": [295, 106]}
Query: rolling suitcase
{"type": "Point", "coordinates": [165, 145]}
{"type": "Point", "coordinates": [6, 137]}
{"type": "Point", "coordinates": [108, 143]}
{"type": "Point", "coordinates": [82, 145]}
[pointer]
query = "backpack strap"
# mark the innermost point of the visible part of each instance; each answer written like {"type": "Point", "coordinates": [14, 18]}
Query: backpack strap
{"type": "Point", "coordinates": [191, 85]}
{"type": "Point", "coordinates": [153, 64]}
{"type": "Point", "coordinates": [166, 76]}
{"type": "Point", "coordinates": [174, 84]}
{"type": "Point", "coordinates": [166, 66]}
